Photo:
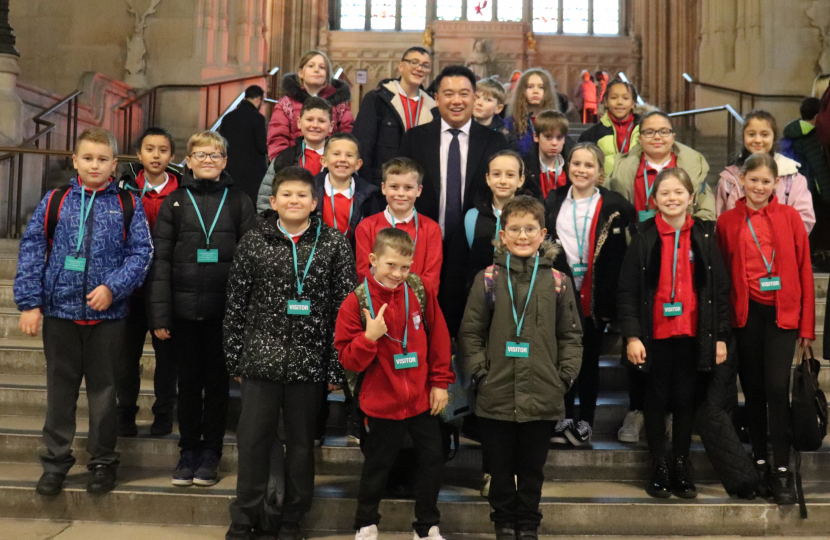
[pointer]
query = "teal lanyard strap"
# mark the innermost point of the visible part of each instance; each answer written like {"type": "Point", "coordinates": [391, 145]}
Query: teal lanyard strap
{"type": "Point", "coordinates": [498, 223]}
{"type": "Point", "coordinates": [646, 186]}
{"type": "Point", "coordinates": [302, 155]}
{"type": "Point", "coordinates": [147, 184]}
{"type": "Point", "coordinates": [412, 121]}
{"type": "Point", "coordinates": [300, 282]}
{"type": "Point", "coordinates": [580, 238]}
{"type": "Point", "coordinates": [674, 267]}
{"type": "Point", "coordinates": [215, 219]}
{"type": "Point", "coordinates": [395, 225]}
{"type": "Point", "coordinates": [85, 210]}
{"type": "Point", "coordinates": [351, 207]}
{"type": "Point", "coordinates": [520, 322]}
{"type": "Point", "coordinates": [557, 170]}
{"type": "Point", "coordinates": [627, 136]}
{"type": "Point", "coordinates": [757, 243]}
{"type": "Point", "coordinates": [405, 319]}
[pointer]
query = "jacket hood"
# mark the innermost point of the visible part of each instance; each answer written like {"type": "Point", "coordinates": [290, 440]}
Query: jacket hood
{"type": "Point", "coordinates": [131, 173]}
{"type": "Point", "coordinates": [548, 251]}
{"type": "Point", "coordinates": [335, 93]}
{"type": "Point", "coordinates": [189, 182]}
{"type": "Point", "coordinates": [798, 129]}
{"type": "Point", "coordinates": [786, 167]}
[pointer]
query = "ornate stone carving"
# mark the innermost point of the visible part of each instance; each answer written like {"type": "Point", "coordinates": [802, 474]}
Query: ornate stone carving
{"type": "Point", "coordinates": [429, 36]}
{"type": "Point", "coordinates": [531, 42]}
{"type": "Point", "coordinates": [480, 60]}
{"type": "Point", "coordinates": [818, 13]}
{"type": "Point", "coordinates": [136, 48]}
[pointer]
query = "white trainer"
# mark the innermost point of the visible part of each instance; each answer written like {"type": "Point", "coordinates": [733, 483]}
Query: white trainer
{"type": "Point", "coordinates": [434, 534]}
{"type": "Point", "coordinates": [485, 491]}
{"type": "Point", "coordinates": [367, 533]}
{"type": "Point", "coordinates": [632, 427]}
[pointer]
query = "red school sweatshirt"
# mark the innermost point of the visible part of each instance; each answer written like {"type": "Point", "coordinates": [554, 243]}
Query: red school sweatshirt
{"type": "Point", "coordinates": [389, 393]}
{"type": "Point", "coordinates": [795, 302]}
{"type": "Point", "coordinates": [429, 250]}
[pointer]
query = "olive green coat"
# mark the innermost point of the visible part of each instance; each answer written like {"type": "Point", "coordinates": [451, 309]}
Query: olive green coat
{"type": "Point", "coordinates": [522, 389]}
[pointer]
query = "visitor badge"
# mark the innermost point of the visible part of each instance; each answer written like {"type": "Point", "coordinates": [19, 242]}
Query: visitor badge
{"type": "Point", "coordinates": [516, 349]}
{"type": "Point", "coordinates": [580, 269]}
{"type": "Point", "coordinates": [207, 256]}
{"type": "Point", "coordinates": [299, 307]}
{"type": "Point", "coordinates": [406, 360]}
{"type": "Point", "coordinates": [646, 214]}
{"type": "Point", "coordinates": [78, 264]}
{"type": "Point", "coordinates": [672, 310]}
{"type": "Point", "coordinates": [772, 283]}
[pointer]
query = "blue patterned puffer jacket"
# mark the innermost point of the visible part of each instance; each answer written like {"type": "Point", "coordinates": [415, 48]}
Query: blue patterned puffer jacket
{"type": "Point", "coordinates": [120, 264]}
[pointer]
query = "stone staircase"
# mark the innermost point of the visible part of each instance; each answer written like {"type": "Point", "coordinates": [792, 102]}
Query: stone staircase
{"type": "Point", "coordinates": [596, 491]}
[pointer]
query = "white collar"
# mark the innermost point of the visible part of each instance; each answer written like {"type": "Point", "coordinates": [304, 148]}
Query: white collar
{"type": "Point", "coordinates": [295, 235]}
{"type": "Point", "coordinates": [570, 196]}
{"type": "Point", "coordinates": [346, 192]}
{"type": "Point", "coordinates": [560, 161]}
{"type": "Point", "coordinates": [319, 152]}
{"type": "Point", "coordinates": [158, 188]}
{"type": "Point", "coordinates": [496, 211]}
{"type": "Point", "coordinates": [658, 166]}
{"type": "Point", "coordinates": [464, 129]}
{"type": "Point", "coordinates": [392, 220]}
{"type": "Point", "coordinates": [401, 92]}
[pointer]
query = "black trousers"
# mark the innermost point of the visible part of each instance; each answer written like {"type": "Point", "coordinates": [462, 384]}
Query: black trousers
{"type": "Point", "coordinates": [129, 381]}
{"type": "Point", "coordinates": [513, 449]}
{"type": "Point", "coordinates": [672, 388]}
{"type": "Point", "coordinates": [77, 352]}
{"type": "Point", "coordinates": [256, 436]}
{"type": "Point", "coordinates": [200, 362]}
{"type": "Point", "coordinates": [765, 357]}
{"type": "Point", "coordinates": [637, 382]}
{"type": "Point", "coordinates": [383, 441]}
{"type": "Point", "coordinates": [587, 384]}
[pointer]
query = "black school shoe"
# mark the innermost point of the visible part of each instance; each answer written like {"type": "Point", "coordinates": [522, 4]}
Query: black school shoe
{"type": "Point", "coordinates": [660, 484]}
{"type": "Point", "coordinates": [505, 533]}
{"type": "Point", "coordinates": [102, 480]}
{"type": "Point", "coordinates": [238, 531]}
{"type": "Point", "coordinates": [50, 484]}
{"type": "Point", "coordinates": [126, 423]}
{"type": "Point", "coordinates": [764, 479]}
{"type": "Point", "coordinates": [290, 531]}
{"type": "Point", "coordinates": [162, 425]}
{"type": "Point", "coordinates": [681, 479]}
{"type": "Point", "coordinates": [783, 488]}
{"type": "Point", "coordinates": [527, 534]}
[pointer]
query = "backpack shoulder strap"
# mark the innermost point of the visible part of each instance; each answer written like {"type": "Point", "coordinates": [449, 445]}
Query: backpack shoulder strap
{"type": "Point", "coordinates": [491, 273]}
{"type": "Point", "coordinates": [53, 211]}
{"type": "Point", "coordinates": [414, 281]}
{"type": "Point", "coordinates": [363, 302]}
{"type": "Point", "coordinates": [127, 201]}
{"type": "Point", "coordinates": [470, 225]}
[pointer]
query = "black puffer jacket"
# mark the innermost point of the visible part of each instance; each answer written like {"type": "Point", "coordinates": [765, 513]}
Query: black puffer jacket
{"type": "Point", "coordinates": [533, 169]}
{"type": "Point", "coordinates": [638, 283]}
{"type": "Point", "coordinates": [610, 244]}
{"type": "Point", "coordinates": [261, 340]}
{"type": "Point", "coordinates": [179, 287]}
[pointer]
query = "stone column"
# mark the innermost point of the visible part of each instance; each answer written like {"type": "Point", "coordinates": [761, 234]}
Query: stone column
{"type": "Point", "coordinates": [11, 107]}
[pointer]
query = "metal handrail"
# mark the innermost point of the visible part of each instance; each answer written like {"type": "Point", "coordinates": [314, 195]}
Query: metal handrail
{"type": "Point", "coordinates": [128, 158]}
{"type": "Point", "coordinates": [726, 107]}
{"type": "Point", "coordinates": [71, 125]}
{"type": "Point", "coordinates": [622, 76]}
{"type": "Point", "coordinates": [733, 119]}
{"type": "Point", "coordinates": [689, 81]}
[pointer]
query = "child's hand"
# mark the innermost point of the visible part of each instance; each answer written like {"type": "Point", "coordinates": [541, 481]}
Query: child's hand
{"type": "Point", "coordinates": [100, 298]}
{"type": "Point", "coordinates": [805, 342]}
{"type": "Point", "coordinates": [162, 333]}
{"type": "Point", "coordinates": [720, 356]}
{"type": "Point", "coordinates": [334, 387]}
{"type": "Point", "coordinates": [636, 351]}
{"type": "Point", "coordinates": [438, 399]}
{"type": "Point", "coordinates": [375, 328]}
{"type": "Point", "coordinates": [30, 321]}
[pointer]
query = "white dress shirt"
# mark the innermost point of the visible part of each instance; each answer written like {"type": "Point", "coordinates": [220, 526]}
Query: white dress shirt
{"type": "Point", "coordinates": [464, 147]}
{"type": "Point", "coordinates": [348, 192]}
{"type": "Point", "coordinates": [391, 219]}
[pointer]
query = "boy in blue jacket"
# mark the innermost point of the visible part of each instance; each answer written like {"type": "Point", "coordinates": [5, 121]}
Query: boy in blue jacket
{"type": "Point", "coordinates": [75, 273]}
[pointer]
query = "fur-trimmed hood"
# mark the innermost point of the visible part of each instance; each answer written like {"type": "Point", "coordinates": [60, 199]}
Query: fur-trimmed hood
{"type": "Point", "coordinates": [336, 92]}
{"type": "Point", "coordinates": [548, 249]}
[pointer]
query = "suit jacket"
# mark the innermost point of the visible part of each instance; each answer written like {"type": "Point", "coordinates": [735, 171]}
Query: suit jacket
{"type": "Point", "coordinates": [423, 144]}
{"type": "Point", "coordinates": [244, 128]}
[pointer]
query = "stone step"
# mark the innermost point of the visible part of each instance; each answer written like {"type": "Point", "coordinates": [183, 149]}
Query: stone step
{"type": "Point", "coordinates": [568, 508]}
{"type": "Point", "coordinates": [9, 319]}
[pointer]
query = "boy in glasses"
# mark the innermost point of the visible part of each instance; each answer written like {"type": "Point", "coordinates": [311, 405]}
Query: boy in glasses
{"type": "Point", "coordinates": [195, 236]}
{"type": "Point", "coordinates": [521, 344]}
{"type": "Point", "coordinates": [392, 109]}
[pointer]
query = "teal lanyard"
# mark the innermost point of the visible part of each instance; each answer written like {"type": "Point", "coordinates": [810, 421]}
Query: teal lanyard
{"type": "Point", "coordinates": [627, 137]}
{"type": "Point", "coordinates": [302, 156]}
{"type": "Point", "coordinates": [394, 224]}
{"type": "Point", "coordinates": [520, 322]}
{"type": "Point", "coordinates": [147, 184]}
{"type": "Point", "coordinates": [557, 170]}
{"type": "Point", "coordinates": [767, 264]}
{"type": "Point", "coordinates": [580, 238]}
{"type": "Point", "coordinates": [405, 319]}
{"type": "Point", "coordinates": [646, 186]}
{"type": "Point", "coordinates": [310, 257]}
{"type": "Point", "coordinates": [83, 217]}
{"type": "Point", "coordinates": [498, 223]}
{"type": "Point", "coordinates": [351, 207]}
{"type": "Point", "coordinates": [215, 219]}
{"type": "Point", "coordinates": [412, 121]}
{"type": "Point", "coordinates": [674, 267]}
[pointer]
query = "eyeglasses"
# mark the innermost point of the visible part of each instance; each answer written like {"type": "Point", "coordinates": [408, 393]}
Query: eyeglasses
{"type": "Point", "coordinates": [515, 232]}
{"type": "Point", "coordinates": [650, 133]}
{"type": "Point", "coordinates": [201, 156]}
{"type": "Point", "coordinates": [415, 64]}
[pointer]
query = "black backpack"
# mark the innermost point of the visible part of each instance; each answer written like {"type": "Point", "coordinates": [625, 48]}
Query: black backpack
{"type": "Point", "coordinates": [55, 205]}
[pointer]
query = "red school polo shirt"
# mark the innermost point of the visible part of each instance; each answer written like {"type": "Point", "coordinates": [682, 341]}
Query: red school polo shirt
{"type": "Point", "coordinates": [639, 184]}
{"type": "Point", "coordinates": [684, 325]}
{"type": "Point", "coordinates": [755, 267]}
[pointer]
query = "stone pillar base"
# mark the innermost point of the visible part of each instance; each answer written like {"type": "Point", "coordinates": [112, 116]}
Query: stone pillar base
{"type": "Point", "coordinates": [11, 107]}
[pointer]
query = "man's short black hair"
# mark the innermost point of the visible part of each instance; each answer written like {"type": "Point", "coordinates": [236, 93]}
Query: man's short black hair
{"type": "Point", "coordinates": [254, 91]}
{"type": "Point", "coordinates": [293, 174]}
{"type": "Point", "coordinates": [455, 71]}
{"type": "Point", "coordinates": [417, 49]}
{"type": "Point", "coordinates": [157, 131]}
{"type": "Point", "coordinates": [810, 107]}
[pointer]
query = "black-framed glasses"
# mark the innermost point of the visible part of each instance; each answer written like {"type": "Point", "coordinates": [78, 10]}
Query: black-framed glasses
{"type": "Point", "coordinates": [201, 156]}
{"type": "Point", "coordinates": [415, 64]}
{"type": "Point", "coordinates": [650, 133]}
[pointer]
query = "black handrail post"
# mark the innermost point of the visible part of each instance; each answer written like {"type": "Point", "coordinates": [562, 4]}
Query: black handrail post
{"type": "Point", "coordinates": [19, 206]}
{"type": "Point", "coordinates": [10, 196]}
{"type": "Point", "coordinates": [75, 123]}
{"type": "Point", "coordinates": [46, 165]}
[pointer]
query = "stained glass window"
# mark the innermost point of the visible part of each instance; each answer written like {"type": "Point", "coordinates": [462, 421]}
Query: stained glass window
{"type": "Point", "coordinates": [413, 14]}
{"type": "Point", "coordinates": [606, 17]}
{"type": "Point", "coordinates": [448, 10]}
{"type": "Point", "coordinates": [510, 10]}
{"type": "Point", "coordinates": [352, 14]}
{"type": "Point", "coordinates": [383, 14]}
{"type": "Point", "coordinates": [479, 10]}
{"type": "Point", "coordinates": [575, 17]}
{"type": "Point", "coordinates": [545, 16]}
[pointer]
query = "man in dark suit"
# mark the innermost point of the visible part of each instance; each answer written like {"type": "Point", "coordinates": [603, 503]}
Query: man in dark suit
{"type": "Point", "coordinates": [246, 132]}
{"type": "Point", "coordinates": [454, 151]}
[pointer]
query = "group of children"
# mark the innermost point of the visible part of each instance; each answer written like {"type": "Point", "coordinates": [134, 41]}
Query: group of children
{"type": "Point", "coordinates": [326, 281]}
